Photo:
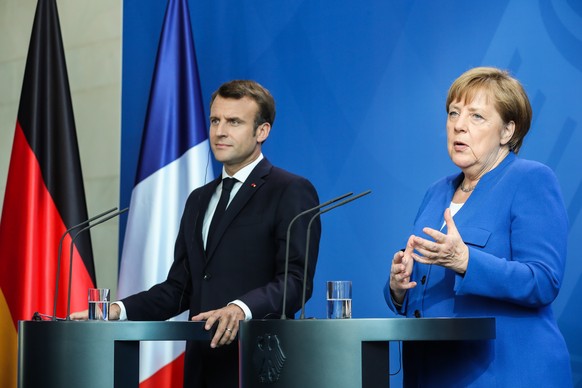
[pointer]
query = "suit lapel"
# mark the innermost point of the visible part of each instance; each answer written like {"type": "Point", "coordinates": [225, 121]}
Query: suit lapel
{"type": "Point", "coordinates": [255, 180]}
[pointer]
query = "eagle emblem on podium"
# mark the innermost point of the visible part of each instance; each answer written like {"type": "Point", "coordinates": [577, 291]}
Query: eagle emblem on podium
{"type": "Point", "coordinates": [268, 358]}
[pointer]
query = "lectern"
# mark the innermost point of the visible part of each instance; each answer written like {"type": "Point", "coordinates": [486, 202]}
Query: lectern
{"type": "Point", "coordinates": [348, 353]}
{"type": "Point", "coordinates": [91, 354]}
{"type": "Point", "coordinates": [310, 353]}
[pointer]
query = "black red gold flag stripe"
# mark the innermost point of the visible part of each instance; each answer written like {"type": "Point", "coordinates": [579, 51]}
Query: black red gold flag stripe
{"type": "Point", "coordinates": [44, 195]}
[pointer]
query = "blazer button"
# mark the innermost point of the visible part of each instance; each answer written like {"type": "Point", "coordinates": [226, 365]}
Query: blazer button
{"type": "Point", "coordinates": [207, 276]}
{"type": "Point", "coordinates": [416, 313]}
{"type": "Point", "coordinates": [423, 280]}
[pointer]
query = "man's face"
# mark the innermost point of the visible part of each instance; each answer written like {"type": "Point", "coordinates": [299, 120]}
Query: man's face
{"type": "Point", "coordinates": [233, 138]}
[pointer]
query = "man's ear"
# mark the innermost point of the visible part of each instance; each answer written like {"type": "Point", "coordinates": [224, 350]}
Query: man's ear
{"type": "Point", "coordinates": [263, 132]}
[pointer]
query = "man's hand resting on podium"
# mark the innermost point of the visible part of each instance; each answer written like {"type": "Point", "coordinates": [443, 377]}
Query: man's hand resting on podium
{"type": "Point", "coordinates": [114, 311]}
{"type": "Point", "coordinates": [228, 319]}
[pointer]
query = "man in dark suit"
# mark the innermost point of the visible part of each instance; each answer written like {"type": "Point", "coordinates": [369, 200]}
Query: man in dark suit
{"type": "Point", "coordinates": [234, 270]}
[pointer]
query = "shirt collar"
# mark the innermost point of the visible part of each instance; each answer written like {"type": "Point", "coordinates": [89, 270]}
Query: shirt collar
{"type": "Point", "coordinates": [242, 174]}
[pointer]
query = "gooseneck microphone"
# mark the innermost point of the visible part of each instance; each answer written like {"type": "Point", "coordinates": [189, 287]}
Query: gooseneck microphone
{"type": "Point", "coordinates": [71, 255]}
{"type": "Point", "coordinates": [302, 316]}
{"type": "Point", "coordinates": [59, 254]}
{"type": "Point", "coordinates": [283, 315]}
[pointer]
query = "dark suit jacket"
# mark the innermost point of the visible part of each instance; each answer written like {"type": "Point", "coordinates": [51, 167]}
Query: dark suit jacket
{"type": "Point", "coordinates": [246, 260]}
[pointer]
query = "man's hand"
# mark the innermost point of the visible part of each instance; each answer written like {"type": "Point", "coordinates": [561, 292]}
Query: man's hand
{"type": "Point", "coordinates": [228, 323]}
{"type": "Point", "coordinates": [114, 311]}
{"type": "Point", "coordinates": [80, 315]}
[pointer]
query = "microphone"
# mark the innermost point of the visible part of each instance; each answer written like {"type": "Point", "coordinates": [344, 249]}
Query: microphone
{"type": "Point", "coordinates": [54, 317]}
{"type": "Point", "coordinates": [283, 315]}
{"type": "Point", "coordinates": [308, 238]}
{"type": "Point", "coordinates": [71, 255]}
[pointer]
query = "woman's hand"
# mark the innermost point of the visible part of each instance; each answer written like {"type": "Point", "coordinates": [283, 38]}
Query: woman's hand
{"type": "Point", "coordinates": [400, 272]}
{"type": "Point", "coordinates": [447, 250]}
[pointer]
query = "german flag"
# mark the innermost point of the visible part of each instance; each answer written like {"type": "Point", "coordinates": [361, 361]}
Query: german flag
{"type": "Point", "coordinates": [44, 196]}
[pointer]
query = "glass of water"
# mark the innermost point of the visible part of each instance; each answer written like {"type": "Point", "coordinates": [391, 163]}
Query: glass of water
{"type": "Point", "coordinates": [98, 304]}
{"type": "Point", "coordinates": [339, 299]}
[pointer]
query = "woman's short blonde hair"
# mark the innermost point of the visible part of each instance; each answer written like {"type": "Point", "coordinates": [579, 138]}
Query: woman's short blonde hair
{"type": "Point", "coordinates": [509, 98]}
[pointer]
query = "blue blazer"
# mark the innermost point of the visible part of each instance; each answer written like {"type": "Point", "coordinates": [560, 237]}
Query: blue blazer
{"type": "Point", "coordinates": [515, 225]}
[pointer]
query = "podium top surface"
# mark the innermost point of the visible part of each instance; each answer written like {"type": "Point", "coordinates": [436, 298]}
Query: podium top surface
{"type": "Point", "coordinates": [367, 329]}
{"type": "Point", "coordinates": [120, 330]}
{"type": "Point", "coordinates": [381, 329]}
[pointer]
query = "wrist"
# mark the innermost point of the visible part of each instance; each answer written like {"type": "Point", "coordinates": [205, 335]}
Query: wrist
{"type": "Point", "coordinates": [397, 297]}
{"type": "Point", "coordinates": [114, 312]}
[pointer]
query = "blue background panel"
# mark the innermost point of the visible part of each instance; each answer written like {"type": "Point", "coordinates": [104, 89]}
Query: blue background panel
{"type": "Point", "coordinates": [360, 90]}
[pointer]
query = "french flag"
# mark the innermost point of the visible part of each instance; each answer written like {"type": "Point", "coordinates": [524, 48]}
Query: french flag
{"type": "Point", "coordinates": [174, 160]}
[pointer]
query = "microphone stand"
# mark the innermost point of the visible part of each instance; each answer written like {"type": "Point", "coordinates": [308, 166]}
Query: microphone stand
{"type": "Point", "coordinates": [283, 315]}
{"type": "Point", "coordinates": [71, 255]}
{"type": "Point", "coordinates": [308, 238]}
{"type": "Point", "coordinates": [59, 255]}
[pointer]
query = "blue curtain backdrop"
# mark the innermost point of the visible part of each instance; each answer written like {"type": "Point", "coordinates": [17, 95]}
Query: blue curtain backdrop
{"type": "Point", "coordinates": [360, 90]}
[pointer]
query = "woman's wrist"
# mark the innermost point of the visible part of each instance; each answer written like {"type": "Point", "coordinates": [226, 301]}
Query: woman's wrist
{"type": "Point", "coordinates": [397, 298]}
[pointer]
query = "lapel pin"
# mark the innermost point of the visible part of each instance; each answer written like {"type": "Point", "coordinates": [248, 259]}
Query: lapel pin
{"type": "Point", "coordinates": [253, 185]}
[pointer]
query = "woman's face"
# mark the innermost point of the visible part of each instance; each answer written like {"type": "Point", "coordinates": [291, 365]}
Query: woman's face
{"type": "Point", "coordinates": [476, 135]}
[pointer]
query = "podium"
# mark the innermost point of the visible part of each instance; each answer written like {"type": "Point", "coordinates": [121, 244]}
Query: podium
{"type": "Point", "coordinates": [91, 354]}
{"type": "Point", "coordinates": [348, 353]}
{"type": "Point", "coordinates": [273, 353]}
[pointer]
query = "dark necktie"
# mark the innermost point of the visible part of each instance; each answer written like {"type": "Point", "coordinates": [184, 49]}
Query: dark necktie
{"type": "Point", "coordinates": [227, 184]}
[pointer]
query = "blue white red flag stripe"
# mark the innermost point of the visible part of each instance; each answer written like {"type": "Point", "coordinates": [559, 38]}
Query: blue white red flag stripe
{"type": "Point", "coordinates": [173, 161]}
